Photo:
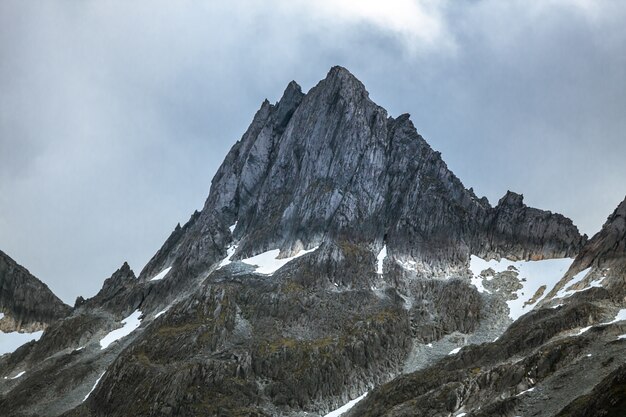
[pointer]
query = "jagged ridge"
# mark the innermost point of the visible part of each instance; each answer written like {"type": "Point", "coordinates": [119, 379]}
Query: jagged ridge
{"type": "Point", "coordinates": [331, 165]}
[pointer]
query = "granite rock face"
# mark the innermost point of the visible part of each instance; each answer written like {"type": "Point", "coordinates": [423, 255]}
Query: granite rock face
{"type": "Point", "coordinates": [390, 230]}
{"type": "Point", "coordinates": [27, 304]}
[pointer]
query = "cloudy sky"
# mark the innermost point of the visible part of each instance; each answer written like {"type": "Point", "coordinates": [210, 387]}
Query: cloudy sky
{"type": "Point", "coordinates": [115, 115]}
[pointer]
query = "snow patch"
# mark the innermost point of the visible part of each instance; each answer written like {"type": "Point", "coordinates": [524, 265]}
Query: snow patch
{"type": "Point", "coordinates": [525, 391]}
{"type": "Point", "coordinates": [478, 283]}
{"type": "Point", "coordinates": [19, 375]}
{"type": "Point", "coordinates": [583, 330]}
{"type": "Point", "coordinates": [621, 315]}
{"type": "Point", "coordinates": [621, 336]}
{"type": "Point", "coordinates": [229, 253]}
{"type": "Point", "coordinates": [130, 324]}
{"type": "Point", "coordinates": [267, 263]}
{"type": "Point", "coordinates": [94, 386]}
{"type": "Point", "coordinates": [161, 274]}
{"type": "Point", "coordinates": [160, 313]}
{"type": "Point", "coordinates": [409, 265]}
{"type": "Point", "coordinates": [232, 228]}
{"type": "Point", "coordinates": [1, 316]}
{"type": "Point", "coordinates": [9, 342]}
{"type": "Point", "coordinates": [564, 293]}
{"type": "Point", "coordinates": [531, 275]}
{"type": "Point", "coordinates": [478, 265]}
{"type": "Point", "coordinates": [454, 351]}
{"type": "Point", "coordinates": [596, 283]}
{"type": "Point", "coordinates": [380, 259]}
{"type": "Point", "coordinates": [344, 409]}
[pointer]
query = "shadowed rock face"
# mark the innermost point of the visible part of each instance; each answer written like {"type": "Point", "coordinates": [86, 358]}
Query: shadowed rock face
{"type": "Point", "coordinates": [26, 303]}
{"type": "Point", "coordinates": [120, 294]}
{"type": "Point", "coordinates": [607, 399]}
{"type": "Point", "coordinates": [327, 169]}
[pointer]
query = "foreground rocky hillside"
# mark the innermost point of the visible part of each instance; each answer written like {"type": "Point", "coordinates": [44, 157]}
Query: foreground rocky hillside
{"type": "Point", "coordinates": [567, 358]}
{"type": "Point", "coordinates": [335, 253]}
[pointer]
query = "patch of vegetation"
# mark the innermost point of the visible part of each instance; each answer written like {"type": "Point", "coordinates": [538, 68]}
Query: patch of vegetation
{"type": "Point", "coordinates": [351, 250]}
{"type": "Point", "coordinates": [292, 287]}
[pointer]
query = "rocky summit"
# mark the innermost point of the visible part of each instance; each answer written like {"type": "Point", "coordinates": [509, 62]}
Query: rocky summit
{"type": "Point", "coordinates": [26, 303]}
{"type": "Point", "coordinates": [337, 264]}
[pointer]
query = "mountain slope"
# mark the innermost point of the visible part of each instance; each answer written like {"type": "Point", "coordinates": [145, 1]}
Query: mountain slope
{"type": "Point", "coordinates": [564, 359]}
{"type": "Point", "coordinates": [601, 261]}
{"type": "Point", "coordinates": [332, 251]}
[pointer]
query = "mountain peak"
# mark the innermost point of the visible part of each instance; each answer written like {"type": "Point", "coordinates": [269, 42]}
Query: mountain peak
{"type": "Point", "coordinates": [607, 248]}
{"type": "Point", "coordinates": [620, 210]}
{"type": "Point", "coordinates": [383, 232]}
{"type": "Point", "coordinates": [291, 99]}
{"type": "Point", "coordinates": [330, 165]}
{"type": "Point", "coordinates": [340, 72]}
{"type": "Point", "coordinates": [342, 81]}
{"type": "Point", "coordinates": [27, 302]}
{"type": "Point", "coordinates": [108, 297]}
{"type": "Point", "coordinates": [125, 268]}
{"type": "Point", "coordinates": [511, 199]}
{"type": "Point", "coordinates": [293, 93]}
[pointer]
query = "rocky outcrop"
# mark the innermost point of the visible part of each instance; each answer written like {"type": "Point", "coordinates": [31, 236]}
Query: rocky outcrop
{"type": "Point", "coordinates": [604, 256]}
{"type": "Point", "coordinates": [607, 399]}
{"type": "Point", "coordinates": [519, 232]}
{"type": "Point", "coordinates": [119, 295]}
{"type": "Point", "coordinates": [607, 248]}
{"type": "Point", "coordinates": [26, 303]}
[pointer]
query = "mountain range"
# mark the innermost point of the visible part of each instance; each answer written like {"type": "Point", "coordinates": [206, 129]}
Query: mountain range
{"type": "Point", "coordinates": [336, 258]}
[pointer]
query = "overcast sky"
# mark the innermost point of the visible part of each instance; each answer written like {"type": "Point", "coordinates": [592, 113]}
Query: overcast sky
{"type": "Point", "coordinates": [114, 116]}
